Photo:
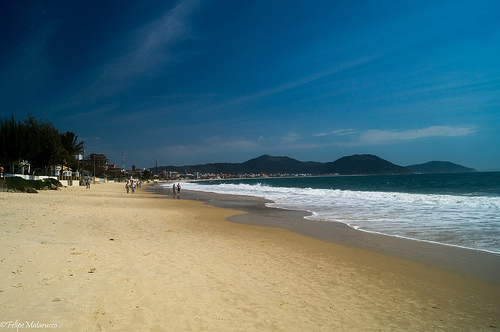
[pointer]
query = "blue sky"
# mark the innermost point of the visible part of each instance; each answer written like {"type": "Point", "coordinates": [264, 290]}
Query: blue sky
{"type": "Point", "coordinates": [194, 82]}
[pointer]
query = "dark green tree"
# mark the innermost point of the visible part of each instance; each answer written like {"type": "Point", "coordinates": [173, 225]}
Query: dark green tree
{"type": "Point", "coordinates": [70, 148]}
{"type": "Point", "coordinates": [146, 174]}
{"type": "Point", "coordinates": [37, 142]}
{"type": "Point", "coordinates": [14, 142]}
{"type": "Point", "coordinates": [46, 146]}
{"type": "Point", "coordinates": [97, 162]}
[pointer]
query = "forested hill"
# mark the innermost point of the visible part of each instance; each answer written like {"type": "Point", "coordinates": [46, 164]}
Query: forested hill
{"type": "Point", "coordinates": [351, 165]}
{"type": "Point", "coordinates": [364, 164]}
{"type": "Point", "coordinates": [439, 167]}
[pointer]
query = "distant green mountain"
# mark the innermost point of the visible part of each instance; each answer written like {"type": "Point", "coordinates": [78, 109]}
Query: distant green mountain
{"type": "Point", "coordinates": [364, 164]}
{"type": "Point", "coordinates": [276, 165]}
{"type": "Point", "coordinates": [439, 167]}
{"type": "Point", "coordinates": [357, 164]}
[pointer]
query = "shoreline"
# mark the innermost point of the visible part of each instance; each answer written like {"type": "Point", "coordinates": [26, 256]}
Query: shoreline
{"type": "Point", "coordinates": [482, 264]}
{"type": "Point", "coordinates": [102, 259]}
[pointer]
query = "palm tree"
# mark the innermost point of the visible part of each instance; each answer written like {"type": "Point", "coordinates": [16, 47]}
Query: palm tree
{"type": "Point", "coordinates": [71, 148]}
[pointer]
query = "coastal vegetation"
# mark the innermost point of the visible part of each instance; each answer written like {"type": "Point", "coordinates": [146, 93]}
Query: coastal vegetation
{"type": "Point", "coordinates": [96, 164]}
{"type": "Point", "coordinates": [20, 184]}
{"type": "Point", "coordinates": [37, 143]}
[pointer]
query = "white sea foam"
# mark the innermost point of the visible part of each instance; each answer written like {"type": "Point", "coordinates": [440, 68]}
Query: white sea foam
{"type": "Point", "coordinates": [465, 221]}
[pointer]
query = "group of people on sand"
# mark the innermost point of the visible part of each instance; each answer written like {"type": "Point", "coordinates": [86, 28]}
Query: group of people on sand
{"type": "Point", "coordinates": [178, 188]}
{"type": "Point", "coordinates": [131, 185]}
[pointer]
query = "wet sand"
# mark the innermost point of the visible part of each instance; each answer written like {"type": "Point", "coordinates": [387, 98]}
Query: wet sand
{"type": "Point", "coordinates": [480, 264]}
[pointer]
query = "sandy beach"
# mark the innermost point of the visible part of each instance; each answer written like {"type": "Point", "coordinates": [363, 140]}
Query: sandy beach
{"type": "Point", "coordinates": [98, 259]}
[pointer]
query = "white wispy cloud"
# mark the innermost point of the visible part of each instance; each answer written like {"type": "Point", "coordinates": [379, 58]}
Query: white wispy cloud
{"type": "Point", "coordinates": [144, 52]}
{"type": "Point", "coordinates": [291, 137]}
{"type": "Point", "coordinates": [149, 46]}
{"type": "Point", "coordinates": [335, 69]}
{"type": "Point", "coordinates": [292, 141]}
{"type": "Point", "coordinates": [214, 146]}
{"type": "Point", "coordinates": [376, 136]}
{"type": "Point", "coordinates": [340, 132]}
{"type": "Point", "coordinates": [102, 113]}
{"type": "Point", "coordinates": [29, 67]}
{"type": "Point", "coordinates": [233, 143]}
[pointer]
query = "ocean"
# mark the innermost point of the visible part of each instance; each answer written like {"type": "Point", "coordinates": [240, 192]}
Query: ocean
{"type": "Point", "coordinates": [460, 210]}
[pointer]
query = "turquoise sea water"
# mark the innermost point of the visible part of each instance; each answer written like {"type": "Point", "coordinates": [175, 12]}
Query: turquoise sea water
{"type": "Point", "coordinates": [453, 209]}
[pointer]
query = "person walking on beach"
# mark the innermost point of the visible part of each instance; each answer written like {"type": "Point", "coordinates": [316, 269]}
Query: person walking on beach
{"type": "Point", "coordinates": [178, 190]}
{"type": "Point", "coordinates": [88, 183]}
{"type": "Point", "coordinates": [133, 186]}
{"type": "Point", "coordinates": [127, 187]}
{"type": "Point", "coordinates": [173, 189]}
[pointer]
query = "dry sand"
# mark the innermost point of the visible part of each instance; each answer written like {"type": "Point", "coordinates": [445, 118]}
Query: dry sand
{"type": "Point", "coordinates": [100, 259]}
